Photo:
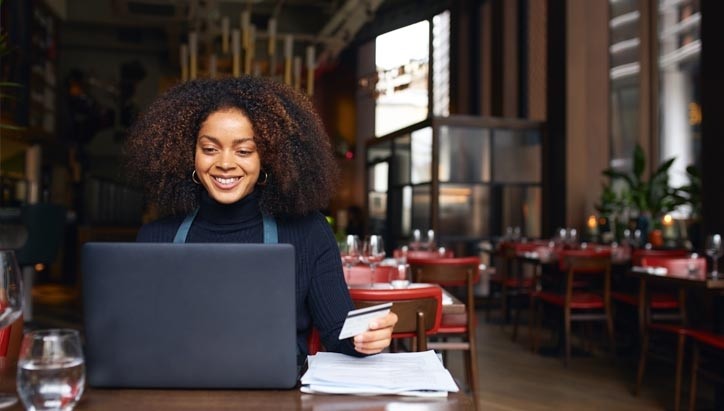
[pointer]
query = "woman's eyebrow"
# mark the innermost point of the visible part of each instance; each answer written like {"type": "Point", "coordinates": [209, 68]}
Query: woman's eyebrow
{"type": "Point", "coordinates": [234, 142]}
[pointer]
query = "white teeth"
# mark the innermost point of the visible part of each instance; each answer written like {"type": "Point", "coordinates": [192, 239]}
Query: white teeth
{"type": "Point", "coordinates": [226, 180]}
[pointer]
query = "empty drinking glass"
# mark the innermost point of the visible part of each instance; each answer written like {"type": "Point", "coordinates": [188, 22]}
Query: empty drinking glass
{"type": "Point", "coordinates": [51, 370]}
{"type": "Point", "coordinates": [350, 252]}
{"type": "Point", "coordinates": [430, 240]}
{"type": "Point", "coordinates": [416, 239]}
{"type": "Point", "coordinates": [402, 277]}
{"type": "Point", "coordinates": [713, 249]}
{"type": "Point", "coordinates": [373, 252]}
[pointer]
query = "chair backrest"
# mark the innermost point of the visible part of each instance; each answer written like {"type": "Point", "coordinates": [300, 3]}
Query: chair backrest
{"type": "Point", "coordinates": [447, 253]}
{"type": "Point", "coordinates": [419, 309]}
{"type": "Point", "coordinates": [585, 260]}
{"type": "Point", "coordinates": [455, 271]}
{"type": "Point", "coordinates": [10, 337]}
{"type": "Point", "coordinates": [450, 272]}
{"type": "Point", "coordinates": [362, 274]}
{"type": "Point", "coordinates": [45, 224]}
{"type": "Point", "coordinates": [677, 266]}
{"type": "Point", "coordinates": [588, 261]}
{"type": "Point", "coordinates": [638, 254]}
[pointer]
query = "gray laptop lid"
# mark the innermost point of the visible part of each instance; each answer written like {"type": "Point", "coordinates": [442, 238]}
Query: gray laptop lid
{"type": "Point", "coordinates": [189, 315]}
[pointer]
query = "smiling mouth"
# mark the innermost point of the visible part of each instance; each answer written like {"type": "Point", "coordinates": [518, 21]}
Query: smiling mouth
{"type": "Point", "coordinates": [227, 180]}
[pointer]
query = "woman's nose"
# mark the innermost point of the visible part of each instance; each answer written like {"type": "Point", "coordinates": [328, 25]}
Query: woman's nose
{"type": "Point", "coordinates": [226, 161]}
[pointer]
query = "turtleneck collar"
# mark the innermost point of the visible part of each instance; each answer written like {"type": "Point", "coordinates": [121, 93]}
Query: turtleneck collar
{"type": "Point", "coordinates": [244, 211]}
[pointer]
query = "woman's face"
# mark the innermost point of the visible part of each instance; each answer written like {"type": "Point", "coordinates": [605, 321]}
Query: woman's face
{"type": "Point", "coordinates": [226, 160]}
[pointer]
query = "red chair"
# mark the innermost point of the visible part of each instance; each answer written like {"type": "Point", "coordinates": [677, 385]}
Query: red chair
{"type": "Point", "coordinates": [447, 253]}
{"type": "Point", "coordinates": [676, 267]}
{"type": "Point", "coordinates": [513, 281]}
{"type": "Point", "coordinates": [638, 254]}
{"type": "Point", "coordinates": [709, 340]}
{"type": "Point", "coordinates": [314, 342]}
{"type": "Point", "coordinates": [590, 303]}
{"type": "Point", "coordinates": [462, 273]}
{"type": "Point", "coordinates": [418, 309]}
{"type": "Point", "coordinates": [663, 304]}
{"type": "Point", "coordinates": [10, 338]}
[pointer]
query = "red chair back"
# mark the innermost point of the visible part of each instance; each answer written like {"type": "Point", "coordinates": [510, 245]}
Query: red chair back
{"type": "Point", "coordinates": [444, 271]}
{"type": "Point", "coordinates": [643, 253]}
{"type": "Point", "coordinates": [418, 309]}
{"type": "Point", "coordinates": [10, 337]}
{"type": "Point", "coordinates": [424, 254]}
{"type": "Point", "coordinates": [583, 260]}
{"type": "Point", "coordinates": [677, 266]}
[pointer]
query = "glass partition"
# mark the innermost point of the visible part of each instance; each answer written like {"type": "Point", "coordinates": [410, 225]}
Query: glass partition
{"type": "Point", "coordinates": [468, 178]}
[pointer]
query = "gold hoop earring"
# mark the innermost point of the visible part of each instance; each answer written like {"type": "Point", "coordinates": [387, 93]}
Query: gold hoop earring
{"type": "Point", "coordinates": [266, 179]}
{"type": "Point", "coordinates": [195, 178]}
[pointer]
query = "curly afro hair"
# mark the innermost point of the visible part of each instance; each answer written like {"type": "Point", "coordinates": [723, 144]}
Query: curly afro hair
{"type": "Point", "coordinates": [293, 146]}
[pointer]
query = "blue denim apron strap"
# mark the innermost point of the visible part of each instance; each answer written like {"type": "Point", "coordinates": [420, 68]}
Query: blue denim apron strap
{"type": "Point", "coordinates": [271, 234]}
{"type": "Point", "coordinates": [183, 229]}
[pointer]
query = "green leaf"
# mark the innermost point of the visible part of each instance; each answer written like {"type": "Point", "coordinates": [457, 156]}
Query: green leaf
{"type": "Point", "coordinates": [639, 162]}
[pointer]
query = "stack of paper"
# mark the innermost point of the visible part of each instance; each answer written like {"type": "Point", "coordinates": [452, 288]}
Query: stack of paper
{"type": "Point", "coordinates": [417, 373]}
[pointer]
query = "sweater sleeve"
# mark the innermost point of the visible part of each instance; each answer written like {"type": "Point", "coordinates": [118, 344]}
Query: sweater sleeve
{"type": "Point", "coordinates": [328, 298]}
{"type": "Point", "coordinates": [160, 231]}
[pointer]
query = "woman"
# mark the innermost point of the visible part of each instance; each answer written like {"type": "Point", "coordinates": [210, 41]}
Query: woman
{"type": "Point", "coordinates": [245, 160]}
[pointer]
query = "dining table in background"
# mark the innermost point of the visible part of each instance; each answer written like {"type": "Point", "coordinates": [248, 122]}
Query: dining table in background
{"type": "Point", "coordinates": [701, 282]}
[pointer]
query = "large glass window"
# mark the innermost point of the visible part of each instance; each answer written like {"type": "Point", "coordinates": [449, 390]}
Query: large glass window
{"type": "Point", "coordinates": [679, 110]}
{"type": "Point", "coordinates": [406, 58]}
{"type": "Point", "coordinates": [624, 76]}
{"type": "Point", "coordinates": [402, 60]}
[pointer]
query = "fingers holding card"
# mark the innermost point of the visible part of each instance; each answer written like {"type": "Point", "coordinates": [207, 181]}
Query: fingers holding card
{"type": "Point", "coordinates": [357, 321]}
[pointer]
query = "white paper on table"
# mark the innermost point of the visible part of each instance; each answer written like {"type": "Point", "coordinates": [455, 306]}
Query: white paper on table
{"type": "Point", "coordinates": [417, 373]}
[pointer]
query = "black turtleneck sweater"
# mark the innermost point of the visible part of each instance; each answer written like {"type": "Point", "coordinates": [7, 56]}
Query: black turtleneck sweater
{"type": "Point", "coordinates": [322, 296]}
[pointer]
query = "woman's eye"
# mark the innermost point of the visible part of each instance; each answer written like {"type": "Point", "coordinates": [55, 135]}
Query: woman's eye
{"type": "Point", "coordinates": [208, 150]}
{"type": "Point", "coordinates": [244, 152]}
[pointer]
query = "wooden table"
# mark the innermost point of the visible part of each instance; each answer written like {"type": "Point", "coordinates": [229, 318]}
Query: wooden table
{"type": "Point", "coordinates": [210, 400]}
{"type": "Point", "coordinates": [698, 281]}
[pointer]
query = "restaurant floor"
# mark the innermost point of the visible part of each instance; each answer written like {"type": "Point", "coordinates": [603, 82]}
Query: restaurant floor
{"type": "Point", "coordinates": [514, 378]}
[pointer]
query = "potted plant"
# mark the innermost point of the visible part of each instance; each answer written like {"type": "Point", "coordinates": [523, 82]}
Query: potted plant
{"type": "Point", "coordinates": [645, 199]}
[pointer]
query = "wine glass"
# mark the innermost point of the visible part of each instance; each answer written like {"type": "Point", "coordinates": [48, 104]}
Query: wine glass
{"type": "Point", "coordinates": [350, 252]}
{"type": "Point", "coordinates": [714, 250]}
{"type": "Point", "coordinates": [431, 240]}
{"type": "Point", "coordinates": [11, 302]}
{"type": "Point", "coordinates": [51, 369]}
{"type": "Point", "coordinates": [416, 239]}
{"type": "Point", "coordinates": [373, 252]}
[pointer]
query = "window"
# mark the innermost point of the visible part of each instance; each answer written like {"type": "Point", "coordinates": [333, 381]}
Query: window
{"type": "Point", "coordinates": [402, 60]}
{"type": "Point", "coordinates": [402, 57]}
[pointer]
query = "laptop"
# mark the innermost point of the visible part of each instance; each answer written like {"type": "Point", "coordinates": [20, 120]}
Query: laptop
{"type": "Point", "coordinates": [164, 315]}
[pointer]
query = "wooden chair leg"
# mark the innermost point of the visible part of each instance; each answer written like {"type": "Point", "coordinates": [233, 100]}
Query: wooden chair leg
{"type": "Point", "coordinates": [642, 362]}
{"type": "Point", "coordinates": [538, 323]}
{"type": "Point", "coordinates": [679, 364]}
{"type": "Point", "coordinates": [516, 319]}
{"type": "Point", "coordinates": [504, 306]}
{"type": "Point", "coordinates": [472, 368]}
{"type": "Point", "coordinates": [567, 336]}
{"type": "Point", "coordinates": [694, 375]}
{"type": "Point", "coordinates": [532, 319]}
{"type": "Point", "coordinates": [611, 333]}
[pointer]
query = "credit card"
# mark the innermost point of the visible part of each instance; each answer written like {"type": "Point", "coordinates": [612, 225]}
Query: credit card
{"type": "Point", "coordinates": [358, 321]}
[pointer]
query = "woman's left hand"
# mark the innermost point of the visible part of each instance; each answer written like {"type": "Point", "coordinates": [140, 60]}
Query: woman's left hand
{"type": "Point", "coordinates": [378, 336]}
